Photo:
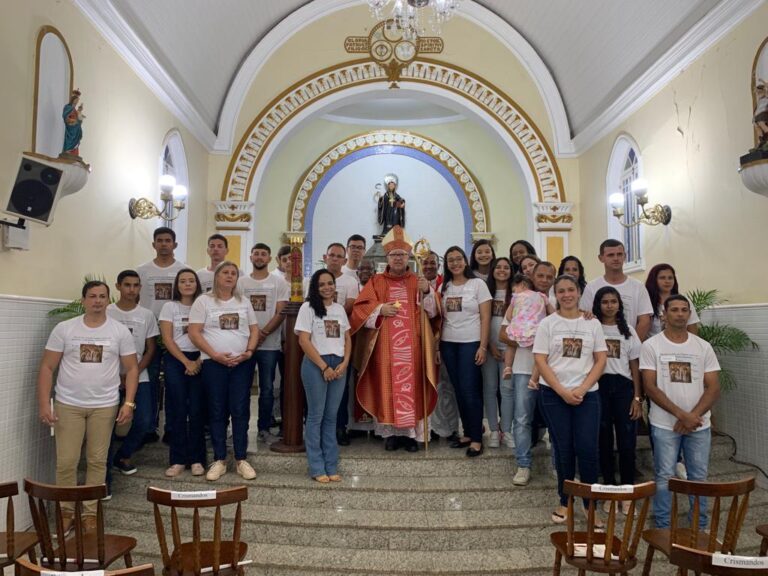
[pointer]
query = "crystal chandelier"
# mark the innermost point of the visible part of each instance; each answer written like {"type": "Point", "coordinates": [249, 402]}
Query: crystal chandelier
{"type": "Point", "coordinates": [407, 14]}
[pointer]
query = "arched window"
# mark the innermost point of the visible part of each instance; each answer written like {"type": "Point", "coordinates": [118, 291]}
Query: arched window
{"type": "Point", "coordinates": [173, 161]}
{"type": "Point", "coordinates": [625, 167]}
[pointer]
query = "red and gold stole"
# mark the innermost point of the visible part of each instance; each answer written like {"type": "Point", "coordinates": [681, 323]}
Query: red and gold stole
{"type": "Point", "coordinates": [403, 361]}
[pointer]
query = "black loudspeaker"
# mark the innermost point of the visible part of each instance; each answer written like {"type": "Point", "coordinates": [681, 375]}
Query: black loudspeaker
{"type": "Point", "coordinates": [34, 193]}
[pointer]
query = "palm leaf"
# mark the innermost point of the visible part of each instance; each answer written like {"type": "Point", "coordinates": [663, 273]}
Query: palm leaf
{"type": "Point", "coordinates": [703, 299]}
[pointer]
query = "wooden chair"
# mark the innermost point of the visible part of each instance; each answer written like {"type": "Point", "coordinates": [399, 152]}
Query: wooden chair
{"type": "Point", "coordinates": [26, 568]}
{"type": "Point", "coordinates": [84, 550]}
{"type": "Point", "coordinates": [220, 557]}
{"type": "Point", "coordinates": [14, 544]}
{"type": "Point", "coordinates": [620, 554]}
{"type": "Point", "coordinates": [763, 531]}
{"type": "Point", "coordinates": [662, 539]}
{"type": "Point", "coordinates": [700, 562]}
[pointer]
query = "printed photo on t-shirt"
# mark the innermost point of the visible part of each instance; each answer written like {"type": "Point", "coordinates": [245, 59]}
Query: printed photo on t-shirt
{"type": "Point", "coordinates": [332, 329]}
{"type": "Point", "coordinates": [498, 308]}
{"type": "Point", "coordinates": [229, 321]}
{"type": "Point", "coordinates": [91, 353]}
{"type": "Point", "coordinates": [614, 348]}
{"type": "Point", "coordinates": [163, 291]}
{"type": "Point", "coordinates": [130, 329]}
{"type": "Point", "coordinates": [184, 325]}
{"type": "Point", "coordinates": [453, 304]}
{"type": "Point", "coordinates": [259, 302]}
{"type": "Point", "coordinates": [680, 372]}
{"type": "Point", "coordinates": [572, 347]}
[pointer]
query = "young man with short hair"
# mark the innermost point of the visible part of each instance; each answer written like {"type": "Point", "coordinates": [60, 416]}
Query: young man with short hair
{"type": "Point", "coordinates": [355, 253]}
{"type": "Point", "coordinates": [142, 325]}
{"type": "Point", "coordinates": [347, 287]}
{"type": "Point", "coordinates": [637, 304]}
{"type": "Point", "coordinates": [680, 376]}
{"type": "Point", "coordinates": [283, 261]}
{"type": "Point", "coordinates": [218, 249]}
{"type": "Point", "coordinates": [267, 294]}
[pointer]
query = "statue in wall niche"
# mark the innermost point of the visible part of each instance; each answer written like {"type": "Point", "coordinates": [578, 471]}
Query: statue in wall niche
{"type": "Point", "coordinates": [73, 125]}
{"type": "Point", "coordinates": [391, 206]}
{"type": "Point", "coordinates": [760, 118]}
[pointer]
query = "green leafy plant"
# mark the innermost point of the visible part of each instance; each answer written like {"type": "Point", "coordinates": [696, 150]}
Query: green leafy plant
{"type": "Point", "coordinates": [75, 308]}
{"type": "Point", "coordinates": [723, 337]}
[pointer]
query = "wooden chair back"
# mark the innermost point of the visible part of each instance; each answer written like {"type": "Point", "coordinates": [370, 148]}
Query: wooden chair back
{"type": "Point", "coordinates": [68, 552]}
{"type": "Point", "coordinates": [9, 490]}
{"type": "Point", "coordinates": [733, 495]}
{"type": "Point", "coordinates": [700, 562]}
{"type": "Point", "coordinates": [763, 531]}
{"type": "Point", "coordinates": [639, 500]}
{"type": "Point", "coordinates": [26, 568]}
{"type": "Point", "coordinates": [210, 556]}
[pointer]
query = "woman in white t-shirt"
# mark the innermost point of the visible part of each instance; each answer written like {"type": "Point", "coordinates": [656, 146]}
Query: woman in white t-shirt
{"type": "Point", "coordinates": [464, 343]}
{"type": "Point", "coordinates": [183, 382]}
{"type": "Point", "coordinates": [323, 330]}
{"type": "Point", "coordinates": [570, 353]}
{"type": "Point", "coordinates": [481, 258]}
{"type": "Point", "coordinates": [621, 403]}
{"type": "Point", "coordinates": [661, 284]}
{"type": "Point", "coordinates": [223, 326]}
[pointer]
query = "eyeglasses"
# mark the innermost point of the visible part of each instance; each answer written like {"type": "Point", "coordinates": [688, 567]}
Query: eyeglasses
{"type": "Point", "coordinates": [398, 254]}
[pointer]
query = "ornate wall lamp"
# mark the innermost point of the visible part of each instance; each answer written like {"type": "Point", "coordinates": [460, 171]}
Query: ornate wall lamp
{"type": "Point", "coordinates": [653, 216]}
{"type": "Point", "coordinates": [171, 194]}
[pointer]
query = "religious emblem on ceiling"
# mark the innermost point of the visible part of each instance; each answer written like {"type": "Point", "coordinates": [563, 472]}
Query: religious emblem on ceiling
{"type": "Point", "coordinates": [390, 50]}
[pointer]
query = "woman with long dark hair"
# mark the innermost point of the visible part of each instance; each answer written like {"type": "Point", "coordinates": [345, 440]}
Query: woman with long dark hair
{"type": "Point", "coordinates": [528, 264]}
{"type": "Point", "coordinates": [620, 389]}
{"type": "Point", "coordinates": [481, 257]}
{"type": "Point", "coordinates": [323, 330]}
{"type": "Point", "coordinates": [517, 250]}
{"type": "Point", "coordinates": [661, 284]}
{"type": "Point", "coordinates": [572, 266]}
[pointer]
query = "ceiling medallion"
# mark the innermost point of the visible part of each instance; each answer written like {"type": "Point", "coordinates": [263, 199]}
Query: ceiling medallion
{"type": "Point", "coordinates": [406, 15]}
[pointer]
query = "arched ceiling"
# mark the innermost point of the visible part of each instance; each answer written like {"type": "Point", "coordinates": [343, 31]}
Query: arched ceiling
{"type": "Point", "coordinates": [596, 51]}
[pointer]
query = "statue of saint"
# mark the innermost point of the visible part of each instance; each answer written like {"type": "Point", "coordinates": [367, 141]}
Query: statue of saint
{"type": "Point", "coordinates": [760, 119]}
{"type": "Point", "coordinates": [73, 125]}
{"type": "Point", "coordinates": [391, 206]}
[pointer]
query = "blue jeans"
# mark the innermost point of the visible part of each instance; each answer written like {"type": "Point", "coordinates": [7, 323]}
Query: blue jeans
{"type": "Point", "coordinates": [492, 372]}
{"type": "Point", "coordinates": [467, 380]}
{"type": "Point", "coordinates": [154, 369]}
{"type": "Point", "coordinates": [228, 395]}
{"type": "Point", "coordinates": [667, 445]}
{"type": "Point", "coordinates": [574, 432]}
{"type": "Point", "coordinates": [266, 361]}
{"type": "Point", "coordinates": [323, 399]}
{"type": "Point", "coordinates": [142, 421]}
{"type": "Point", "coordinates": [518, 403]}
{"type": "Point", "coordinates": [616, 396]}
{"type": "Point", "coordinates": [185, 394]}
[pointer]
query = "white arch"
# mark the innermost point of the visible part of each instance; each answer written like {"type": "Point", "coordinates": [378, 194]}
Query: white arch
{"type": "Point", "coordinates": [313, 11]}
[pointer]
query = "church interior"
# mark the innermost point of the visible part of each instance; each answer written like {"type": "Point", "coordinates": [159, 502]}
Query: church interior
{"type": "Point", "coordinates": [278, 120]}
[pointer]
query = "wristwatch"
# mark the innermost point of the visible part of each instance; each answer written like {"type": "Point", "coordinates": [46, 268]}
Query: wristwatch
{"type": "Point", "coordinates": [638, 399]}
{"type": "Point", "coordinates": [131, 405]}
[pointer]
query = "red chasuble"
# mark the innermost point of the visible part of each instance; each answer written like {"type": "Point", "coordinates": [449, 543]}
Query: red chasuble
{"type": "Point", "coordinates": [396, 362]}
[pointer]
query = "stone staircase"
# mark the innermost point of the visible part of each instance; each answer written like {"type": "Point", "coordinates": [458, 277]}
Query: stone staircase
{"type": "Point", "coordinates": [394, 513]}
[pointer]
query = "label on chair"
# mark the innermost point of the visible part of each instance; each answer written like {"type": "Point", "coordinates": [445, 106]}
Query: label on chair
{"type": "Point", "coordinates": [744, 562]}
{"type": "Point", "coordinates": [194, 495]}
{"type": "Point", "coordinates": [84, 573]}
{"type": "Point", "coordinates": [608, 489]}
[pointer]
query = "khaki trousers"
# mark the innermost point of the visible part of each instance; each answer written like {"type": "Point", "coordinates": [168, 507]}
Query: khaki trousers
{"type": "Point", "coordinates": [75, 424]}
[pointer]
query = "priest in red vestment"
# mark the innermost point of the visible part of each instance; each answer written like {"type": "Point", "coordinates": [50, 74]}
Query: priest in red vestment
{"type": "Point", "coordinates": [397, 317]}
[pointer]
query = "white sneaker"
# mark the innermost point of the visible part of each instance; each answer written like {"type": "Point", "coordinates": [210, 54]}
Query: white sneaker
{"type": "Point", "coordinates": [509, 440]}
{"type": "Point", "coordinates": [267, 437]}
{"type": "Point", "coordinates": [245, 470]}
{"type": "Point", "coordinates": [547, 441]}
{"type": "Point", "coordinates": [174, 470]}
{"type": "Point", "coordinates": [522, 477]}
{"type": "Point", "coordinates": [216, 470]}
{"type": "Point", "coordinates": [493, 441]}
{"type": "Point", "coordinates": [680, 471]}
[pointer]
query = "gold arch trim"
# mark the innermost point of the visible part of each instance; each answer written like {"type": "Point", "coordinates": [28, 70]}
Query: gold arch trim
{"type": "Point", "coordinates": [313, 88]}
{"type": "Point", "coordinates": [473, 192]}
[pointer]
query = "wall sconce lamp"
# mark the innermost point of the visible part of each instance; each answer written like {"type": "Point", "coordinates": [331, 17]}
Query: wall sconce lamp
{"type": "Point", "coordinates": [172, 196]}
{"type": "Point", "coordinates": [653, 216]}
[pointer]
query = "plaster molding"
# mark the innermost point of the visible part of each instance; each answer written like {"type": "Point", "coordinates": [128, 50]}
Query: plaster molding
{"type": "Point", "coordinates": [116, 31]}
{"type": "Point", "coordinates": [331, 117]}
{"type": "Point", "coordinates": [553, 215]}
{"type": "Point", "coordinates": [705, 34]}
{"type": "Point", "coordinates": [233, 215]}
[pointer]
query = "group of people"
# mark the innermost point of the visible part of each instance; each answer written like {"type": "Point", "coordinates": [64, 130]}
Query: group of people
{"type": "Point", "coordinates": [399, 352]}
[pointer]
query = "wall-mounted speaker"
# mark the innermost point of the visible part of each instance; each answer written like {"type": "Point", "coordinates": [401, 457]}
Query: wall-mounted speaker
{"type": "Point", "coordinates": [35, 191]}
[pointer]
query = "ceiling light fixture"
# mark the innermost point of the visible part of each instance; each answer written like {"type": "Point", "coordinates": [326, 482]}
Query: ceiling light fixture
{"type": "Point", "coordinates": [406, 15]}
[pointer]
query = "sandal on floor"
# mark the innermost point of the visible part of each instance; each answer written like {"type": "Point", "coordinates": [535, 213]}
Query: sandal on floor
{"type": "Point", "coordinates": [323, 479]}
{"type": "Point", "coordinates": [334, 478]}
{"type": "Point", "coordinates": [560, 517]}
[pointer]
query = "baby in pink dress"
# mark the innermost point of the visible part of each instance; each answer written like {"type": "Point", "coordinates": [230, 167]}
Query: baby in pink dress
{"type": "Point", "coordinates": [526, 311]}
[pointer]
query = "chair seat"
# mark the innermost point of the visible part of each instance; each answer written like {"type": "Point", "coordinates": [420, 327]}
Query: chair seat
{"type": "Point", "coordinates": [22, 543]}
{"type": "Point", "coordinates": [187, 554]}
{"type": "Point", "coordinates": [659, 539]}
{"type": "Point", "coordinates": [560, 542]}
{"type": "Point", "coordinates": [115, 547]}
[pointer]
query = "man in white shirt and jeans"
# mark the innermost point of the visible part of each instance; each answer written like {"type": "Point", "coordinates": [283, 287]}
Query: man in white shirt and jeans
{"type": "Point", "coordinates": [637, 304]}
{"type": "Point", "coordinates": [680, 376]}
{"type": "Point", "coordinates": [217, 250]}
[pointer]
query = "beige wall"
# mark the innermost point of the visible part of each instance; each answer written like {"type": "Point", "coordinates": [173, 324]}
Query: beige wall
{"type": "Point", "coordinates": [123, 134]}
{"type": "Point", "coordinates": [690, 136]}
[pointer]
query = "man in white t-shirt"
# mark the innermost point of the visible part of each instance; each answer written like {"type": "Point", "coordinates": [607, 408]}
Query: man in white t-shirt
{"type": "Point", "coordinates": [142, 325]}
{"type": "Point", "coordinates": [355, 253]}
{"type": "Point", "coordinates": [637, 304]}
{"type": "Point", "coordinates": [283, 261]}
{"type": "Point", "coordinates": [680, 376]}
{"type": "Point", "coordinates": [267, 294]}
{"type": "Point", "coordinates": [217, 250]}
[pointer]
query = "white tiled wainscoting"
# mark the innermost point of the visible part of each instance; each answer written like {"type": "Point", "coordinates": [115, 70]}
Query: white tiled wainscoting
{"type": "Point", "coordinates": [743, 412]}
{"type": "Point", "coordinates": [26, 446]}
